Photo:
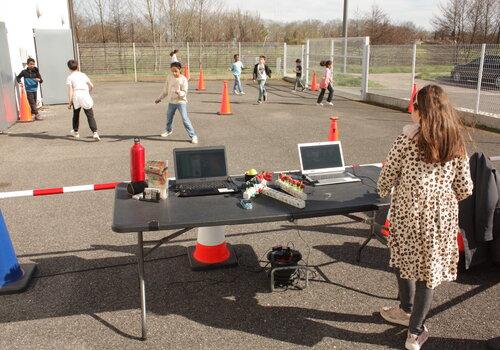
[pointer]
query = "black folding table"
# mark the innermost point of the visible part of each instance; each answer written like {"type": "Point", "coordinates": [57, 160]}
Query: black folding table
{"type": "Point", "coordinates": [183, 214]}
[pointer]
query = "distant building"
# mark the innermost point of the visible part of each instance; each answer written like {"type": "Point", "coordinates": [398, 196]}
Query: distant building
{"type": "Point", "coordinates": [23, 25]}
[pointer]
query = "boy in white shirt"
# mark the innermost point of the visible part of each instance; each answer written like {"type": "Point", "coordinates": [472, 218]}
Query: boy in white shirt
{"type": "Point", "coordinates": [79, 87]}
{"type": "Point", "coordinates": [175, 89]}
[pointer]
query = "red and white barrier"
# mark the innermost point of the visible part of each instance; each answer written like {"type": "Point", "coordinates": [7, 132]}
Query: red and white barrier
{"type": "Point", "coordinates": [58, 190]}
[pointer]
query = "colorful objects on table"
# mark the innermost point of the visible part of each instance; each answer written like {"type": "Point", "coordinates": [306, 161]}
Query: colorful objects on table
{"type": "Point", "coordinates": [291, 186]}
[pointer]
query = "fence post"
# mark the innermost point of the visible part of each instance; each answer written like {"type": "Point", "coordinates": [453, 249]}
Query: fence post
{"type": "Point", "coordinates": [480, 78]}
{"type": "Point", "coordinates": [78, 54]}
{"type": "Point", "coordinates": [135, 62]}
{"type": "Point", "coordinates": [345, 55]}
{"type": "Point", "coordinates": [239, 49]}
{"type": "Point", "coordinates": [284, 59]}
{"type": "Point", "coordinates": [332, 49]}
{"type": "Point", "coordinates": [307, 63]}
{"type": "Point", "coordinates": [366, 68]}
{"type": "Point", "coordinates": [413, 67]}
{"type": "Point", "coordinates": [187, 51]}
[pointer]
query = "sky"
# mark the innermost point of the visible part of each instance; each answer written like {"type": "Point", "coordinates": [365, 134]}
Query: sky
{"type": "Point", "coordinates": [419, 12]}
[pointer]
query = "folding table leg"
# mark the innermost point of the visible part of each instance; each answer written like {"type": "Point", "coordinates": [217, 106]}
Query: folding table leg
{"type": "Point", "coordinates": [370, 236]}
{"type": "Point", "coordinates": [142, 285]}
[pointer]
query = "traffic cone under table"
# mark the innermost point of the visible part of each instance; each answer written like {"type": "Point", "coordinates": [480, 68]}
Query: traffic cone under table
{"type": "Point", "coordinates": [201, 81]}
{"type": "Point", "coordinates": [333, 133]}
{"type": "Point", "coordinates": [211, 250]}
{"type": "Point", "coordinates": [186, 72]}
{"type": "Point", "coordinates": [314, 82]}
{"type": "Point", "coordinates": [24, 108]}
{"type": "Point", "coordinates": [14, 277]}
{"type": "Point", "coordinates": [225, 104]}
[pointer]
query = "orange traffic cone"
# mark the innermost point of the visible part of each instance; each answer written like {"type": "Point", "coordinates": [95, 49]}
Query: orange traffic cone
{"type": "Point", "coordinates": [10, 109]}
{"type": "Point", "coordinates": [186, 72]}
{"type": "Point", "coordinates": [225, 104]}
{"type": "Point", "coordinates": [333, 134]}
{"type": "Point", "coordinates": [201, 81]}
{"type": "Point", "coordinates": [314, 82]}
{"type": "Point", "coordinates": [412, 98]}
{"type": "Point", "coordinates": [24, 108]}
{"type": "Point", "coordinates": [211, 250]}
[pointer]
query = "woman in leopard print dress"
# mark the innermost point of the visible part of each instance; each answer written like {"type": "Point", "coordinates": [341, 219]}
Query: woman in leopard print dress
{"type": "Point", "coordinates": [428, 171]}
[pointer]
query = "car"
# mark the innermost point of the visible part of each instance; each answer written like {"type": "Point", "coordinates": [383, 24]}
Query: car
{"type": "Point", "coordinates": [470, 71]}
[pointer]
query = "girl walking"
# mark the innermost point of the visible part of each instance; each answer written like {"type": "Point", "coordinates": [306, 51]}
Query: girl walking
{"type": "Point", "coordinates": [428, 169]}
{"type": "Point", "coordinates": [326, 84]}
{"type": "Point", "coordinates": [175, 90]}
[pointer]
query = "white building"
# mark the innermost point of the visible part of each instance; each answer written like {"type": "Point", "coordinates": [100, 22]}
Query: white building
{"type": "Point", "coordinates": [21, 19]}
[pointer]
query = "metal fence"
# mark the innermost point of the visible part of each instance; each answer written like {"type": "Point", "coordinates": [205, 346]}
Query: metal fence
{"type": "Point", "coordinates": [470, 74]}
{"type": "Point", "coordinates": [143, 61]}
{"type": "Point", "coordinates": [348, 57]}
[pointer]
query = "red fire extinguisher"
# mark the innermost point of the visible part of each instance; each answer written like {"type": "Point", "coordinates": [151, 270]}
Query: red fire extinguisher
{"type": "Point", "coordinates": [137, 161]}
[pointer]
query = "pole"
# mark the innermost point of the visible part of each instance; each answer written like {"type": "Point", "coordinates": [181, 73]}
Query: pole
{"type": "Point", "coordinates": [78, 54]}
{"type": "Point", "coordinates": [187, 51]}
{"type": "Point", "coordinates": [135, 63]}
{"type": "Point", "coordinates": [284, 59]}
{"type": "Point", "coordinates": [344, 33]}
{"type": "Point", "coordinates": [307, 62]}
{"type": "Point", "coordinates": [142, 283]}
{"type": "Point", "coordinates": [332, 49]}
{"type": "Point", "coordinates": [413, 67]}
{"type": "Point", "coordinates": [480, 78]}
{"type": "Point", "coordinates": [366, 68]}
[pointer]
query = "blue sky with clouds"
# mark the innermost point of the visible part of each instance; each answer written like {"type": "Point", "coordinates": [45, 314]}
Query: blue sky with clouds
{"type": "Point", "coordinates": [418, 11]}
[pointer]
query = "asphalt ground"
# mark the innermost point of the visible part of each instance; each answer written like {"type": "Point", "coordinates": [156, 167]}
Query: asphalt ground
{"type": "Point", "coordinates": [86, 296]}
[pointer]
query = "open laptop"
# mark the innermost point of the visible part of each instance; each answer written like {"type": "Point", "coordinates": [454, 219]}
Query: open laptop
{"type": "Point", "coordinates": [201, 171]}
{"type": "Point", "coordinates": [322, 163]}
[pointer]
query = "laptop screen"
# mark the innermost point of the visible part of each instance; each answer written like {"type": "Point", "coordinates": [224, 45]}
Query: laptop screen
{"type": "Point", "coordinates": [321, 157]}
{"type": "Point", "coordinates": [200, 163]}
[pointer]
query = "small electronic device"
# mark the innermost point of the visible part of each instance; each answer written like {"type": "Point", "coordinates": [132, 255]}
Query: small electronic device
{"type": "Point", "coordinates": [322, 163]}
{"type": "Point", "coordinates": [201, 171]}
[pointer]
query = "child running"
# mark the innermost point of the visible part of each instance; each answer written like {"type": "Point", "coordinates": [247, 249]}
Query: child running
{"type": "Point", "coordinates": [173, 56]}
{"type": "Point", "coordinates": [32, 78]}
{"type": "Point", "coordinates": [236, 68]}
{"type": "Point", "coordinates": [429, 171]}
{"type": "Point", "coordinates": [261, 72]}
{"type": "Point", "coordinates": [79, 87]}
{"type": "Point", "coordinates": [298, 76]}
{"type": "Point", "coordinates": [326, 83]}
{"type": "Point", "coordinates": [175, 90]}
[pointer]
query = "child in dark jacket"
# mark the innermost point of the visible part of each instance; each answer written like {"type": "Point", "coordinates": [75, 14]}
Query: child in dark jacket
{"type": "Point", "coordinates": [32, 78]}
{"type": "Point", "coordinates": [261, 72]}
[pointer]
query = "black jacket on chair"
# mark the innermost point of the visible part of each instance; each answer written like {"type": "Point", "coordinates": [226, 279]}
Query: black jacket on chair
{"type": "Point", "coordinates": [479, 214]}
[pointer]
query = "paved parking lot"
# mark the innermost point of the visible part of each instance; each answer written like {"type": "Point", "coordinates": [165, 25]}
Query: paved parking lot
{"type": "Point", "coordinates": [86, 295]}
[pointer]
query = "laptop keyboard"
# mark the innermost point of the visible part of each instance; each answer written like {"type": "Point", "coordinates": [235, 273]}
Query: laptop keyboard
{"type": "Point", "coordinates": [209, 185]}
{"type": "Point", "coordinates": [329, 176]}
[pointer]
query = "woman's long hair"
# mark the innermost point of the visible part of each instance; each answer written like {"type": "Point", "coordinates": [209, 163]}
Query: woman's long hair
{"type": "Point", "coordinates": [439, 138]}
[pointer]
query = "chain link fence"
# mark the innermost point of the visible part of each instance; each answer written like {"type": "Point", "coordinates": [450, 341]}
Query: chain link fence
{"type": "Point", "coordinates": [145, 62]}
{"type": "Point", "coordinates": [347, 56]}
{"type": "Point", "coordinates": [392, 69]}
{"type": "Point", "coordinates": [457, 68]}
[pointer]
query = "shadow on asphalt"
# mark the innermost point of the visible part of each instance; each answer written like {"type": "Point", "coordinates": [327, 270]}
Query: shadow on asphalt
{"type": "Point", "coordinates": [224, 299]}
{"type": "Point", "coordinates": [112, 138]}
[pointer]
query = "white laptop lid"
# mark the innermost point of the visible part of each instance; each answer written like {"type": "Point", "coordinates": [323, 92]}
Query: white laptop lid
{"type": "Point", "coordinates": [321, 157]}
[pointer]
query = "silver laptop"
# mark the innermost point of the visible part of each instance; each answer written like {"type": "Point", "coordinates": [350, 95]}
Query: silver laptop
{"type": "Point", "coordinates": [323, 163]}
